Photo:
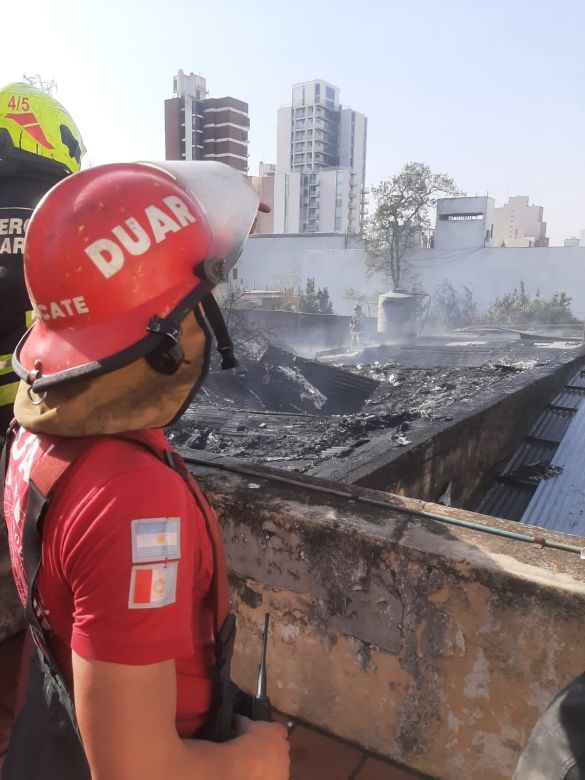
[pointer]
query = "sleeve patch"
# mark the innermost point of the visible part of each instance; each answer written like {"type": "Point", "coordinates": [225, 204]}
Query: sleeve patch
{"type": "Point", "coordinates": [156, 539]}
{"type": "Point", "coordinates": [153, 586]}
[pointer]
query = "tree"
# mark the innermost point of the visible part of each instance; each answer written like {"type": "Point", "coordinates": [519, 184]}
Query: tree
{"type": "Point", "coordinates": [517, 309]}
{"type": "Point", "coordinates": [324, 301]}
{"type": "Point", "coordinates": [308, 299]}
{"type": "Point", "coordinates": [454, 308]}
{"type": "Point", "coordinates": [48, 87]}
{"type": "Point", "coordinates": [249, 339]}
{"type": "Point", "coordinates": [402, 214]}
{"type": "Point", "coordinates": [315, 301]}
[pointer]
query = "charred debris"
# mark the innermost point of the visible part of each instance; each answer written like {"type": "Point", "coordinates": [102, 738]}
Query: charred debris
{"type": "Point", "coordinates": [293, 412]}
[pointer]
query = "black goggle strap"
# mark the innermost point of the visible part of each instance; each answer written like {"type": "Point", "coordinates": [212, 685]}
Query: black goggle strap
{"type": "Point", "coordinates": [166, 358]}
{"type": "Point", "coordinates": [224, 343]}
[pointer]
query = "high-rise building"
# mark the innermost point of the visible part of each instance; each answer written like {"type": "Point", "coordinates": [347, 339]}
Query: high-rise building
{"type": "Point", "coordinates": [518, 224]}
{"type": "Point", "coordinates": [198, 127]}
{"type": "Point", "coordinates": [264, 186]}
{"type": "Point", "coordinates": [321, 163]}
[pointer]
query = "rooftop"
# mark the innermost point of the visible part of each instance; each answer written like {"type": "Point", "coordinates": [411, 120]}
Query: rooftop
{"type": "Point", "coordinates": [399, 628]}
{"type": "Point", "coordinates": [301, 415]}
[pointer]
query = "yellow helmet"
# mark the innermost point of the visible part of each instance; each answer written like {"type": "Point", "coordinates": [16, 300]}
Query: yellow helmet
{"type": "Point", "coordinates": [32, 122]}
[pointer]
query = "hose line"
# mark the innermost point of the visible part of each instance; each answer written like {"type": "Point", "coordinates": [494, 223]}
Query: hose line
{"type": "Point", "coordinates": [539, 541]}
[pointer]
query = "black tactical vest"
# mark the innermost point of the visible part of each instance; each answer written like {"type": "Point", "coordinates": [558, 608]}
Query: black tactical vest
{"type": "Point", "coordinates": [21, 188]}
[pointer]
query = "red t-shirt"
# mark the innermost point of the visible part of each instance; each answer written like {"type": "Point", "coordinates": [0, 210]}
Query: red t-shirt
{"type": "Point", "coordinates": [127, 563]}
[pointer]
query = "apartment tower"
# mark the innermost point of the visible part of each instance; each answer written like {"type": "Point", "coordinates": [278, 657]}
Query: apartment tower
{"type": "Point", "coordinates": [321, 163]}
{"type": "Point", "coordinates": [198, 127]}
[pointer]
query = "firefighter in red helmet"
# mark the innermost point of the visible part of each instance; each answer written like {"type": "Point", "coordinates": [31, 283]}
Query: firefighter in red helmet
{"type": "Point", "coordinates": [116, 553]}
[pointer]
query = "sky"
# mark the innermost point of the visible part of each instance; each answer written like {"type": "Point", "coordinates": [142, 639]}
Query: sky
{"type": "Point", "coordinates": [492, 93]}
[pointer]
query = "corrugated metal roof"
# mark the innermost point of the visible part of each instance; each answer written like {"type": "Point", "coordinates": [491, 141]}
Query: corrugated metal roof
{"type": "Point", "coordinates": [578, 380]}
{"type": "Point", "coordinates": [506, 501]}
{"type": "Point", "coordinates": [528, 454]}
{"type": "Point", "coordinates": [559, 502]}
{"type": "Point", "coordinates": [433, 355]}
{"type": "Point", "coordinates": [552, 425]}
{"type": "Point", "coordinates": [569, 398]}
{"type": "Point", "coordinates": [528, 489]}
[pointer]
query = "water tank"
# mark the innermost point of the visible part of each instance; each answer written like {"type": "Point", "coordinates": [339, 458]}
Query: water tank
{"type": "Point", "coordinates": [397, 315]}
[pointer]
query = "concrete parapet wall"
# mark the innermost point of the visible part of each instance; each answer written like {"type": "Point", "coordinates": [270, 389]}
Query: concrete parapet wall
{"type": "Point", "coordinates": [305, 330]}
{"type": "Point", "coordinates": [433, 645]}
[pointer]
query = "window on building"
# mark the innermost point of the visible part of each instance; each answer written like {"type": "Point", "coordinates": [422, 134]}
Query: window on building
{"type": "Point", "coordinates": [460, 217]}
{"type": "Point", "coordinates": [330, 93]}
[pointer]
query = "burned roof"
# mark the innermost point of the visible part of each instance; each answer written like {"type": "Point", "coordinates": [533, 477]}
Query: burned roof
{"type": "Point", "coordinates": [296, 413]}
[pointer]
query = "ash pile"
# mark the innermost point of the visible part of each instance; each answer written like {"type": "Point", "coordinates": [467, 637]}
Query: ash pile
{"type": "Point", "coordinates": [295, 413]}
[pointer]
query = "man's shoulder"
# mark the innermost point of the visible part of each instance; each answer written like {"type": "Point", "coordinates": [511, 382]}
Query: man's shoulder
{"type": "Point", "coordinates": [115, 476]}
{"type": "Point", "coordinates": [111, 456]}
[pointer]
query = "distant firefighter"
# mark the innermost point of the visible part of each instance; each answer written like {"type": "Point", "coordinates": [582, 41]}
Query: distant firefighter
{"type": "Point", "coordinates": [357, 326]}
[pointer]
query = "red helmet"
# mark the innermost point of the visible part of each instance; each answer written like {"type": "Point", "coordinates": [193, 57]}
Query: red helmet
{"type": "Point", "coordinates": [116, 256]}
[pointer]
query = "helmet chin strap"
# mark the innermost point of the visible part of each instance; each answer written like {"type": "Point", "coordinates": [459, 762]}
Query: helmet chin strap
{"type": "Point", "coordinates": [224, 343]}
{"type": "Point", "coordinates": [167, 358]}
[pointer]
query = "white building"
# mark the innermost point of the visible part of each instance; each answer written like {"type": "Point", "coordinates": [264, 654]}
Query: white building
{"type": "Point", "coordinates": [464, 223]}
{"type": "Point", "coordinates": [518, 224]}
{"type": "Point", "coordinates": [573, 241]}
{"type": "Point", "coordinates": [265, 189]}
{"type": "Point", "coordinates": [321, 163]}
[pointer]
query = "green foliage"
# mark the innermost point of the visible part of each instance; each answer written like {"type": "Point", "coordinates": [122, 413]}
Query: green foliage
{"type": "Point", "coordinates": [403, 204]}
{"type": "Point", "coordinates": [518, 308]}
{"type": "Point", "coordinates": [308, 299]}
{"type": "Point", "coordinates": [315, 301]}
{"type": "Point", "coordinates": [454, 308]}
{"type": "Point", "coordinates": [325, 305]}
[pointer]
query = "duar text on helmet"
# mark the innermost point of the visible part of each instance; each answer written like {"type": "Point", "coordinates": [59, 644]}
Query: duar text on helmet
{"type": "Point", "coordinates": [108, 255]}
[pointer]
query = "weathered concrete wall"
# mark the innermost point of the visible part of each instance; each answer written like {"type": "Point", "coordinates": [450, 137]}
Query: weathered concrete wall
{"type": "Point", "coordinates": [433, 645]}
{"type": "Point", "coordinates": [466, 450]}
{"type": "Point", "coordinates": [307, 332]}
{"type": "Point", "coordinates": [280, 261]}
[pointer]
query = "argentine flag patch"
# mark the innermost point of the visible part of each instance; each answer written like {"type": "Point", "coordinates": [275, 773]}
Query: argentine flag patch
{"type": "Point", "coordinates": [156, 539]}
